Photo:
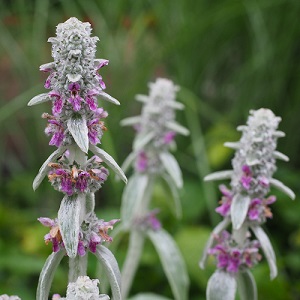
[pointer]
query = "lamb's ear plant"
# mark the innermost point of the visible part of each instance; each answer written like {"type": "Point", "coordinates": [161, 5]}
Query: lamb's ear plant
{"type": "Point", "coordinates": [76, 127]}
{"type": "Point", "coordinates": [245, 206]}
{"type": "Point", "coordinates": [151, 159]}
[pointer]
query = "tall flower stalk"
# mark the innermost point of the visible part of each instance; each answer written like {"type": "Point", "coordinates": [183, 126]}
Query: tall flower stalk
{"type": "Point", "coordinates": [246, 206]}
{"type": "Point", "coordinates": [151, 159]}
{"type": "Point", "coordinates": [75, 127]}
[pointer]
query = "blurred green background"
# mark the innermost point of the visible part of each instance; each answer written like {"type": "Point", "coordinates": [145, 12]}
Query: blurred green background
{"type": "Point", "coordinates": [228, 57]}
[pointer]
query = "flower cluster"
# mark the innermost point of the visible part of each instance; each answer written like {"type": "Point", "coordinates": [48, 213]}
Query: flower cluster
{"type": "Point", "coordinates": [258, 211]}
{"type": "Point", "coordinates": [6, 297]}
{"type": "Point", "coordinates": [83, 289]}
{"type": "Point", "coordinates": [231, 256]}
{"type": "Point", "coordinates": [92, 233]}
{"type": "Point", "coordinates": [149, 221]}
{"type": "Point", "coordinates": [71, 180]}
{"type": "Point", "coordinates": [156, 126]}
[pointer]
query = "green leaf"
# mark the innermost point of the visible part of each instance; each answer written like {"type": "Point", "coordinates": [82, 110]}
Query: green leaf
{"type": "Point", "coordinates": [172, 167]}
{"type": "Point", "coordinates": [267, 248]}
{"type": "Point", "coordinates": [221, 286]}
{"type": "Point", "coordinates": [47, 274]}
{"type": "Point", "coordinates": [69, 222]}
{"type": "Point", "coordinates": [111, 268]}
{"type": "Point", "coordinates": [148, 296]}
{"type": "Point", "coordinates": [133, 195]}
{"type": "Point", "coordinates": [239, 209]}
{"type": "Point", "coordinates": [79, 130]}
{"type": "Point", "coordinates": [216, 231]}
{"type": "Point", "coordinates": [109, 161]}
{"type": "Point", "coordinates": [172, 262]}
{"type": "Point", "coordinates": [246, 285]}
{"type": "Point", "coordinates": [39, 99]}
{"type": "Point", "coordinates": [44, 169]}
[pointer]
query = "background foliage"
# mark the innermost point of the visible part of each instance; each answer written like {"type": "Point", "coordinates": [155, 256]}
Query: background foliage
{"type": "Point", "coordinates": [228, 56]}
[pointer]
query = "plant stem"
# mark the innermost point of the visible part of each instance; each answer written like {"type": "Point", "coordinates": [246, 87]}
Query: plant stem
{"type": "Point", "coordinates": [77, 267]}
{"type": "Point", "coordinates": [136, 243]}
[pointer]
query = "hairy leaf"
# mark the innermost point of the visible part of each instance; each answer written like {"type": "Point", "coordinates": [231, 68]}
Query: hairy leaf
{"type": "Point", "coordinates": [172, 167]}
{"type": "Point", "coordinates": [79, 130]}
{"type": "Point", "coordinates": [172, 262]}
{"type": "Point", "coordinates": [239, 209]}
{"type": "Point", "coordinates": [69, 222]}
{"type": "Point", "coordinates": [47, 274]}
{"type": "Point", "coordinates": [219, 175]}
{"type": "Point", "coordinates": [108, 98]}
{"type": "Point", "coordinates": [221, 286]}
{"type": "Point", "coordinates": [109, 161]}
{"type": "Point", "coordinates": [112, 271]}
{"type": "Point", "coordinates": [246, 285]}
{"type": "Point", "coordinates": [39, 99]}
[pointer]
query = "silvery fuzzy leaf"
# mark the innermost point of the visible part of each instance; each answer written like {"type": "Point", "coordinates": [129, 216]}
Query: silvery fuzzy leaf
{"type": "Point", "coordinates": [108, 98]}
{"type": "Point", "coordinates": [133, 195]}
{"type": "Point", "coordinates": [39, 99]}
{"type": "Point", "coordinates": [171, 165]}
{"type": "Point", "coordinates": [109, 161]}
{"type": "Point", "coordinates": [221, 286]}
{"type": "Point", "coordinates": [239, 209]}
{"type": "Point", "coordinates": [175, 105]}
{"type": "Point", "coordinates": [89, 203]}
{"type": "Point", "coordinates": [103, 297]}
{"type": "Point", "coordinates": [283, 188]}
{"type": "Point", "coordinates": [53, 40]}
{"type": "Point", "coordinates": [142, 140]}
{"type": "Point", "coordinates": [131, 121]}
{"type": "Point", "coordinates": [69, 222]}
{"type": "Point", "coordinates": [175, 194]}
{"type": "Point", "coordinates": [232, 145]}
{"type": "Point", "coordinates": [242, 128]}
{"type": "Point", "coordinates": [148, 296]}
{"type": "Point", "coordinates": [216, 231]}
{"type": "Point", "coordinates": [221, 175]}
{"type": "Point", "coordinates": [174, 126]}
{"type": "Point", "coordinates": [49, 65]}
{"type": "Point", "coordinates": [172, 262]}
{"type": "Point", "coordinates": [279, 134]}
{"type": "Point", "coordinates": [47, 274]}
{"type": "Point", "coordinates": [246, 285]}
{"type": "Point", "coordinates": [142, 98]}
{"type": "Point", "coordinates": [112, 271]}
{"type": "Point", "coordinates": [44, 169]}
{"type": "Point", "coordinates": [79, 130]}
{"type": "Point", "coordinates": [267, 249]}
{"type": "Point", "coordinates": [74, 77]}
{"type": "Point", "coordinates": [279, 155]}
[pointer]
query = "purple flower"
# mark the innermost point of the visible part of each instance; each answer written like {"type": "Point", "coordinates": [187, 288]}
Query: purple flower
{"type": "Point", "coordinates": [224, 208]}
{"type": "Point", "coordinates": [58, 103]}
{"type": "Point", "coordinates": [254, 209]}
{"type": "Point", "coordinates": [47, 84]}
{"type": "Point", "coordinates": [56, 129]}
{"type": "Point", "coordinates": [96, 126]}
{"type": "Point", "coordinates": [90, 99]}
{"type": "Point", "coordinates": [169, 137]}
{"type": "Point", "coordinates": [81, 249]}
{"type": "Point", "coordinates": [81, 182]}
{"type": "Point", "coordinates": [231, 257]}
{"type": "Point", "coordinates": [141, 164]}
{"type": "Point", "coordinates": [75, 99]}
{"type": "Point", "coordinates": [246, 179]}
{"type": "Point", "coordinates": [95, 239]}
{"type": "Point", "coordinates": [54, 236]}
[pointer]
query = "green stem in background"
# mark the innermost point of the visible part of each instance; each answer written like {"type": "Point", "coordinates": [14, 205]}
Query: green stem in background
{"type": "Point", "coordinates": [136, 243]}
{"type": "Point", "coordinates": [199, 149]}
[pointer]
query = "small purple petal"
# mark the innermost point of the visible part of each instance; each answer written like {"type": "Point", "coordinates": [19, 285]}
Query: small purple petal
{"type": "Point", "coordinates": [66, 186]}
{"type": "Point", "coordinates": [46, 222]}
{"type": "Point", "coordinates": [169, 137]}
{"type": "Point", "coordinates": [81, 249]}
{"type": "Point", "coordinates": [141, 162]}
{"type": "Point", "coordinates": [223, 209]}
{"type": "Point", "coordinates": [56, 139]}
{"type": "Point", "coordinates": [102, 63]}
{"type": "Point", "coordinates": [74, 86]}
{"type": "Point", "coordinates": [55, 245]}
{"type": "Point", "coordinates": [270, 200]}
{"type": "Point", "coordinates": [91, 103]}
